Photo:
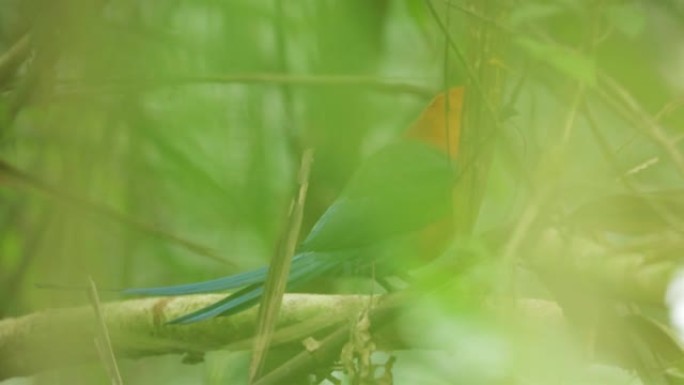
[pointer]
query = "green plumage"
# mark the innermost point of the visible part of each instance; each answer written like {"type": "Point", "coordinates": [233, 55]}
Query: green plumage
{"type": "Point", "coordinates": [396, 193]}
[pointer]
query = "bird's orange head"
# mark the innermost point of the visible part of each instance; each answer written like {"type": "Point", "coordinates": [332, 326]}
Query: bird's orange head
{"type": "Point", "coordinates": [440, 122]}
{"type": "Point", "coordinates": [439, 125]}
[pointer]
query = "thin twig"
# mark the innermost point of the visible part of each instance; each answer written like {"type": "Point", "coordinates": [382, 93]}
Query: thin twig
{"type": "Point", "coordinates": [278, 272]}
{"type": "Point", "coordinates": [293, 137]}
{"type": "Point", "coordinates": [530, 214]}
{"type": "Point", "coordinates": [629, 107]}
{"type": "Point", "coordinates": [329, 348]}
{"type": "Point", "coordinates": [481, 17]}
{"type": "Point", "coordinates": [13, 57]}
{"type": "Point", "coordinates": [472, 75]}
{"type": "Point", "coordinates": [572, 114]}
{"type": "Point", "coordinates": [103, 342]}
{"type": "Point", "coordinates": [380, 84]}
{"type": "Point", "coordinates": [625, 177]}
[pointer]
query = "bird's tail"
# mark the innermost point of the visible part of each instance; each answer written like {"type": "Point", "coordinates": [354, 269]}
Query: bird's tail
{"type": "Point", "coordinates": [251, 284]}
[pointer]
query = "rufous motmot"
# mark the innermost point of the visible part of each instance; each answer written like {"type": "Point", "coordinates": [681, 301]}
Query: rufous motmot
{"type": "Point", "coordinates": [396, 207]}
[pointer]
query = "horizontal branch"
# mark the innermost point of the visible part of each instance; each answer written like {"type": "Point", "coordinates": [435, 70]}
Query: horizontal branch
{"type": "Point", "coordinates": [56, 338]}
{"type": "Point", "coordinates": [138, 328]}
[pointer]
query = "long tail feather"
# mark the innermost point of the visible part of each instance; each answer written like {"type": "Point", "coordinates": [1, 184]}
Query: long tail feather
{"type": "Point", "coordinates": [225, 283]}
{"type": "Point", "coordinates": [231, 304]}
{"type": "Point", "coordinates": [219, 284]}
{"type": "Point", "coordinates": [250, 295]}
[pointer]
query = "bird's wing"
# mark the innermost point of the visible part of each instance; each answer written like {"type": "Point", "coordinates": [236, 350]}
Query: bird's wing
{"type": "Point", "coordinates": [402, 189]}
{"type": "Point", "coordinates": [398, 191]}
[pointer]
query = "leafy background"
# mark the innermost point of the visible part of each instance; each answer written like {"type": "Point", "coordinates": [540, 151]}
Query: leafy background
{"type": "Point", "coordinates": [166, 135]}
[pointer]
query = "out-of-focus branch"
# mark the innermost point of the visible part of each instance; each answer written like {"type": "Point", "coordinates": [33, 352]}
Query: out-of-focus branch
{"type": "Point", "coordinates": [57, 338]}
{"type": "Point", "coordinates": [69, 86]}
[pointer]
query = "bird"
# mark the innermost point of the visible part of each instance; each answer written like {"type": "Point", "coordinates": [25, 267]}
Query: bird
{"type": "Point", "coordinates": [396, 206]}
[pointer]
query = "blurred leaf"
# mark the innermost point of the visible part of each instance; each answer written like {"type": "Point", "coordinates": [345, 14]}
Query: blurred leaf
{"type": "Point", "coordinates": [14, 177]}
{"type": "Point", "coordinates": [631, 214]}
{"type": "Point", "coordinates": [417, 12]}
{"type": "Point", "coordinates": [659, 337]}
{"type": "Point", "coordinates": [532, 12]}
{"type": "Point", "coordinates": [627, 18]}
{"type": "Point", "coordinates": [565, 60]}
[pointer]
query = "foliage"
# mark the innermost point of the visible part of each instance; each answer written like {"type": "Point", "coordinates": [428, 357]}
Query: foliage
{"type": "Point", "coordinates": [158, 143]}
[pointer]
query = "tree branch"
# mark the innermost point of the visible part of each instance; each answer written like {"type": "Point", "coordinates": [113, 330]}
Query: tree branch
{"type": "Point", "coordinates": [56, 338]}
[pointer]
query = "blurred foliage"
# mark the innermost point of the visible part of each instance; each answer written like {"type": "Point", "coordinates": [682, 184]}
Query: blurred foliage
{"type": "Point", "coordinates": [158, 143]}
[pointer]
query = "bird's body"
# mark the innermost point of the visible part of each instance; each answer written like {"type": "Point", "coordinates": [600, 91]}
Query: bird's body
{"type": "Point", "coordinates": [378, 220]}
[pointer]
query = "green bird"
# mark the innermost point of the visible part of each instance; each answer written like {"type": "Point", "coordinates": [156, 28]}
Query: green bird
{"type": "Point", "coordinates": [397, 206]}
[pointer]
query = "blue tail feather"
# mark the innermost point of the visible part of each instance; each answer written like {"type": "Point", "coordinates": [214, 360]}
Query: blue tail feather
{"type": "Point", "coordinates": [231, 304]}
{"type": "Point", "coordinates": [219, 284]}
{"type": "Point", "coordinates": [214, 285]}
{"type": "Point", "coordinates": [251, 294]}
